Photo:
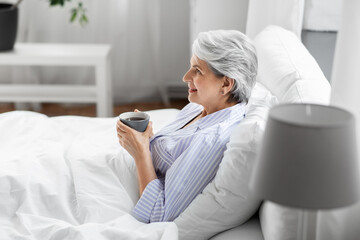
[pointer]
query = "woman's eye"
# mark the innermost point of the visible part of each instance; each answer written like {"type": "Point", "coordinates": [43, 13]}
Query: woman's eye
{"type": "Point", "coordinates": [198, 71]}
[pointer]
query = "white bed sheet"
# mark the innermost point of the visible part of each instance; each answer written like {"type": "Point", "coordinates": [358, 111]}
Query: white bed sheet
{"type": "Point", "coordinates": [68, 178]}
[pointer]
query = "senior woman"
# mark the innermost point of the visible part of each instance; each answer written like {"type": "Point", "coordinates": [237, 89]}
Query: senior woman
{"type": "Point", "coordinates": [176, 164]}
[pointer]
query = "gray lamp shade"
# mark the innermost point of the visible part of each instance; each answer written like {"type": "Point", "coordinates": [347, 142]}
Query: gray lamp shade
{"type": "Point", "coordinates": [308, 158]}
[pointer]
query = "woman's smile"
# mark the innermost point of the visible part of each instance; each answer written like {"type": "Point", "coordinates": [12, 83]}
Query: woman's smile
{"type": "Point", "coordinates": [192, 90]}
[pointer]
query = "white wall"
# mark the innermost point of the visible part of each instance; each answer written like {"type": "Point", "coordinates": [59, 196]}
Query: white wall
{"type": "Point", "coordinates": [217, 14]}
{"type": "Point", "coordinates": [175, 45]}
{"type": "Point", "coordinates": [322, 15]}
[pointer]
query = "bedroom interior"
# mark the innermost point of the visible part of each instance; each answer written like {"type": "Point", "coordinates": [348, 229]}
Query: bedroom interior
{"type": "Point", "coordinates": [308, 53]}
{"type": "Point", "coordinates": [319, 38]}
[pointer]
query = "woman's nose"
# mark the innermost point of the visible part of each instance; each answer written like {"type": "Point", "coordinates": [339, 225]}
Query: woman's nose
{"type": "Point", "coordinates": [186, 77]}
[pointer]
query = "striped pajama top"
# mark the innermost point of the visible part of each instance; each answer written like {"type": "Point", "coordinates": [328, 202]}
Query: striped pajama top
{"type": "Point", "coordinates": [185, 160]}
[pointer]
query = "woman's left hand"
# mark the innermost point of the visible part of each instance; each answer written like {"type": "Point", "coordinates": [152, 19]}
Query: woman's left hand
{"type": "Point", "coordinates": [136, 143]}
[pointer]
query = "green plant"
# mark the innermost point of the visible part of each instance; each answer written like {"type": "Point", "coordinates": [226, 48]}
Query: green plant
{"type": "Point", "coordinates": [77, 13]}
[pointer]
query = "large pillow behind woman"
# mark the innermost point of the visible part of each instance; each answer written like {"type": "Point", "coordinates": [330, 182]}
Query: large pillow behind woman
{"type": "Point", "coordinates": [287, 68]}
{"type": "Point", "coordinates": [227, 202]}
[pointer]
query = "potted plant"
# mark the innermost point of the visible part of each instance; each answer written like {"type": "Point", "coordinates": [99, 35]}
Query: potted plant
{"type": "Point", "coordinates": [9, 20]}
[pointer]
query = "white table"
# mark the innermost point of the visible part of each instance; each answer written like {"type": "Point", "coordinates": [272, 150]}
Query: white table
{"type": "Point", "coordinates": [40, 54]}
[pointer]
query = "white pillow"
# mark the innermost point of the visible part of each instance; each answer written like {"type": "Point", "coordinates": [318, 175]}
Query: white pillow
{"type": "Point", "coordinates": [288, 70]}
{"type": "Point", "coordinates": [227, 202]}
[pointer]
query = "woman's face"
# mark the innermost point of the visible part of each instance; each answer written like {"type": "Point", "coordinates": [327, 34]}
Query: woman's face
{"type": "Point", "coordinates": [204, 86]}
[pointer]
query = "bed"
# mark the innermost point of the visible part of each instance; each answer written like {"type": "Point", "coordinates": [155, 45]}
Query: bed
{"type": "Point", "coordinates": [67, 177]}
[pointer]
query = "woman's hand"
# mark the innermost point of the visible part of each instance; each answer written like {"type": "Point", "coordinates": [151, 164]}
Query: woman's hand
{"type": "Point", "coordinates": [136, 143]}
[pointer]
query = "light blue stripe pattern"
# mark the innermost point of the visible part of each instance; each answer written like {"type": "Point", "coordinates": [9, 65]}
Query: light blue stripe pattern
{"type": "Point", "coordinates": [185, 160]}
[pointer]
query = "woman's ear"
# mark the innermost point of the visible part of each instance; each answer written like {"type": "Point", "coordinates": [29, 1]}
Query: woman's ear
{"type": "Point", "coordinates": [227, 85]}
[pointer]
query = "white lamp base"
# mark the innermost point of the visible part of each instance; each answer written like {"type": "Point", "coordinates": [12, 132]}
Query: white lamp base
{"type": "Point", "coordinates": [307, 225]}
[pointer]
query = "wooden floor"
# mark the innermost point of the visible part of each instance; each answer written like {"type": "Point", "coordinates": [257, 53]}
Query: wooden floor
{"type": "Point", "coordinates": [89, 110]}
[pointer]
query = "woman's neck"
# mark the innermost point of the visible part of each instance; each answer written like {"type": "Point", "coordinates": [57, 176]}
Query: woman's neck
{"type": "Point", "coordinates": [211, 109]}
{"type": "Point", "coordinates": [206, 112]}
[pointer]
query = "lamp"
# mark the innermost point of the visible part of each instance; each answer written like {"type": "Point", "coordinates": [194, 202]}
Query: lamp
{"type": "Point", "coordinates": [308, 160]}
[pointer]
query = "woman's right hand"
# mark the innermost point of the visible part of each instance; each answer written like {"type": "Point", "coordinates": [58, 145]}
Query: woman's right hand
{"type": "Point", "coordinates": [136, 143]}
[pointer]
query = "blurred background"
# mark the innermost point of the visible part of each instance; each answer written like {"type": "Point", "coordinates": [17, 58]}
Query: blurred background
{"type": "Point", "coordinates": [151, 45]}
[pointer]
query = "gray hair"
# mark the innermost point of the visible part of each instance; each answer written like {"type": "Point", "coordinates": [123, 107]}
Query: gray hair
{"type": "Point", "coordinates": [229, 53]}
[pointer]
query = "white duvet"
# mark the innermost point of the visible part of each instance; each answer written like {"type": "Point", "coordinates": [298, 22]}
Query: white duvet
{"type": "Point", "coordinates": [68, 178]}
